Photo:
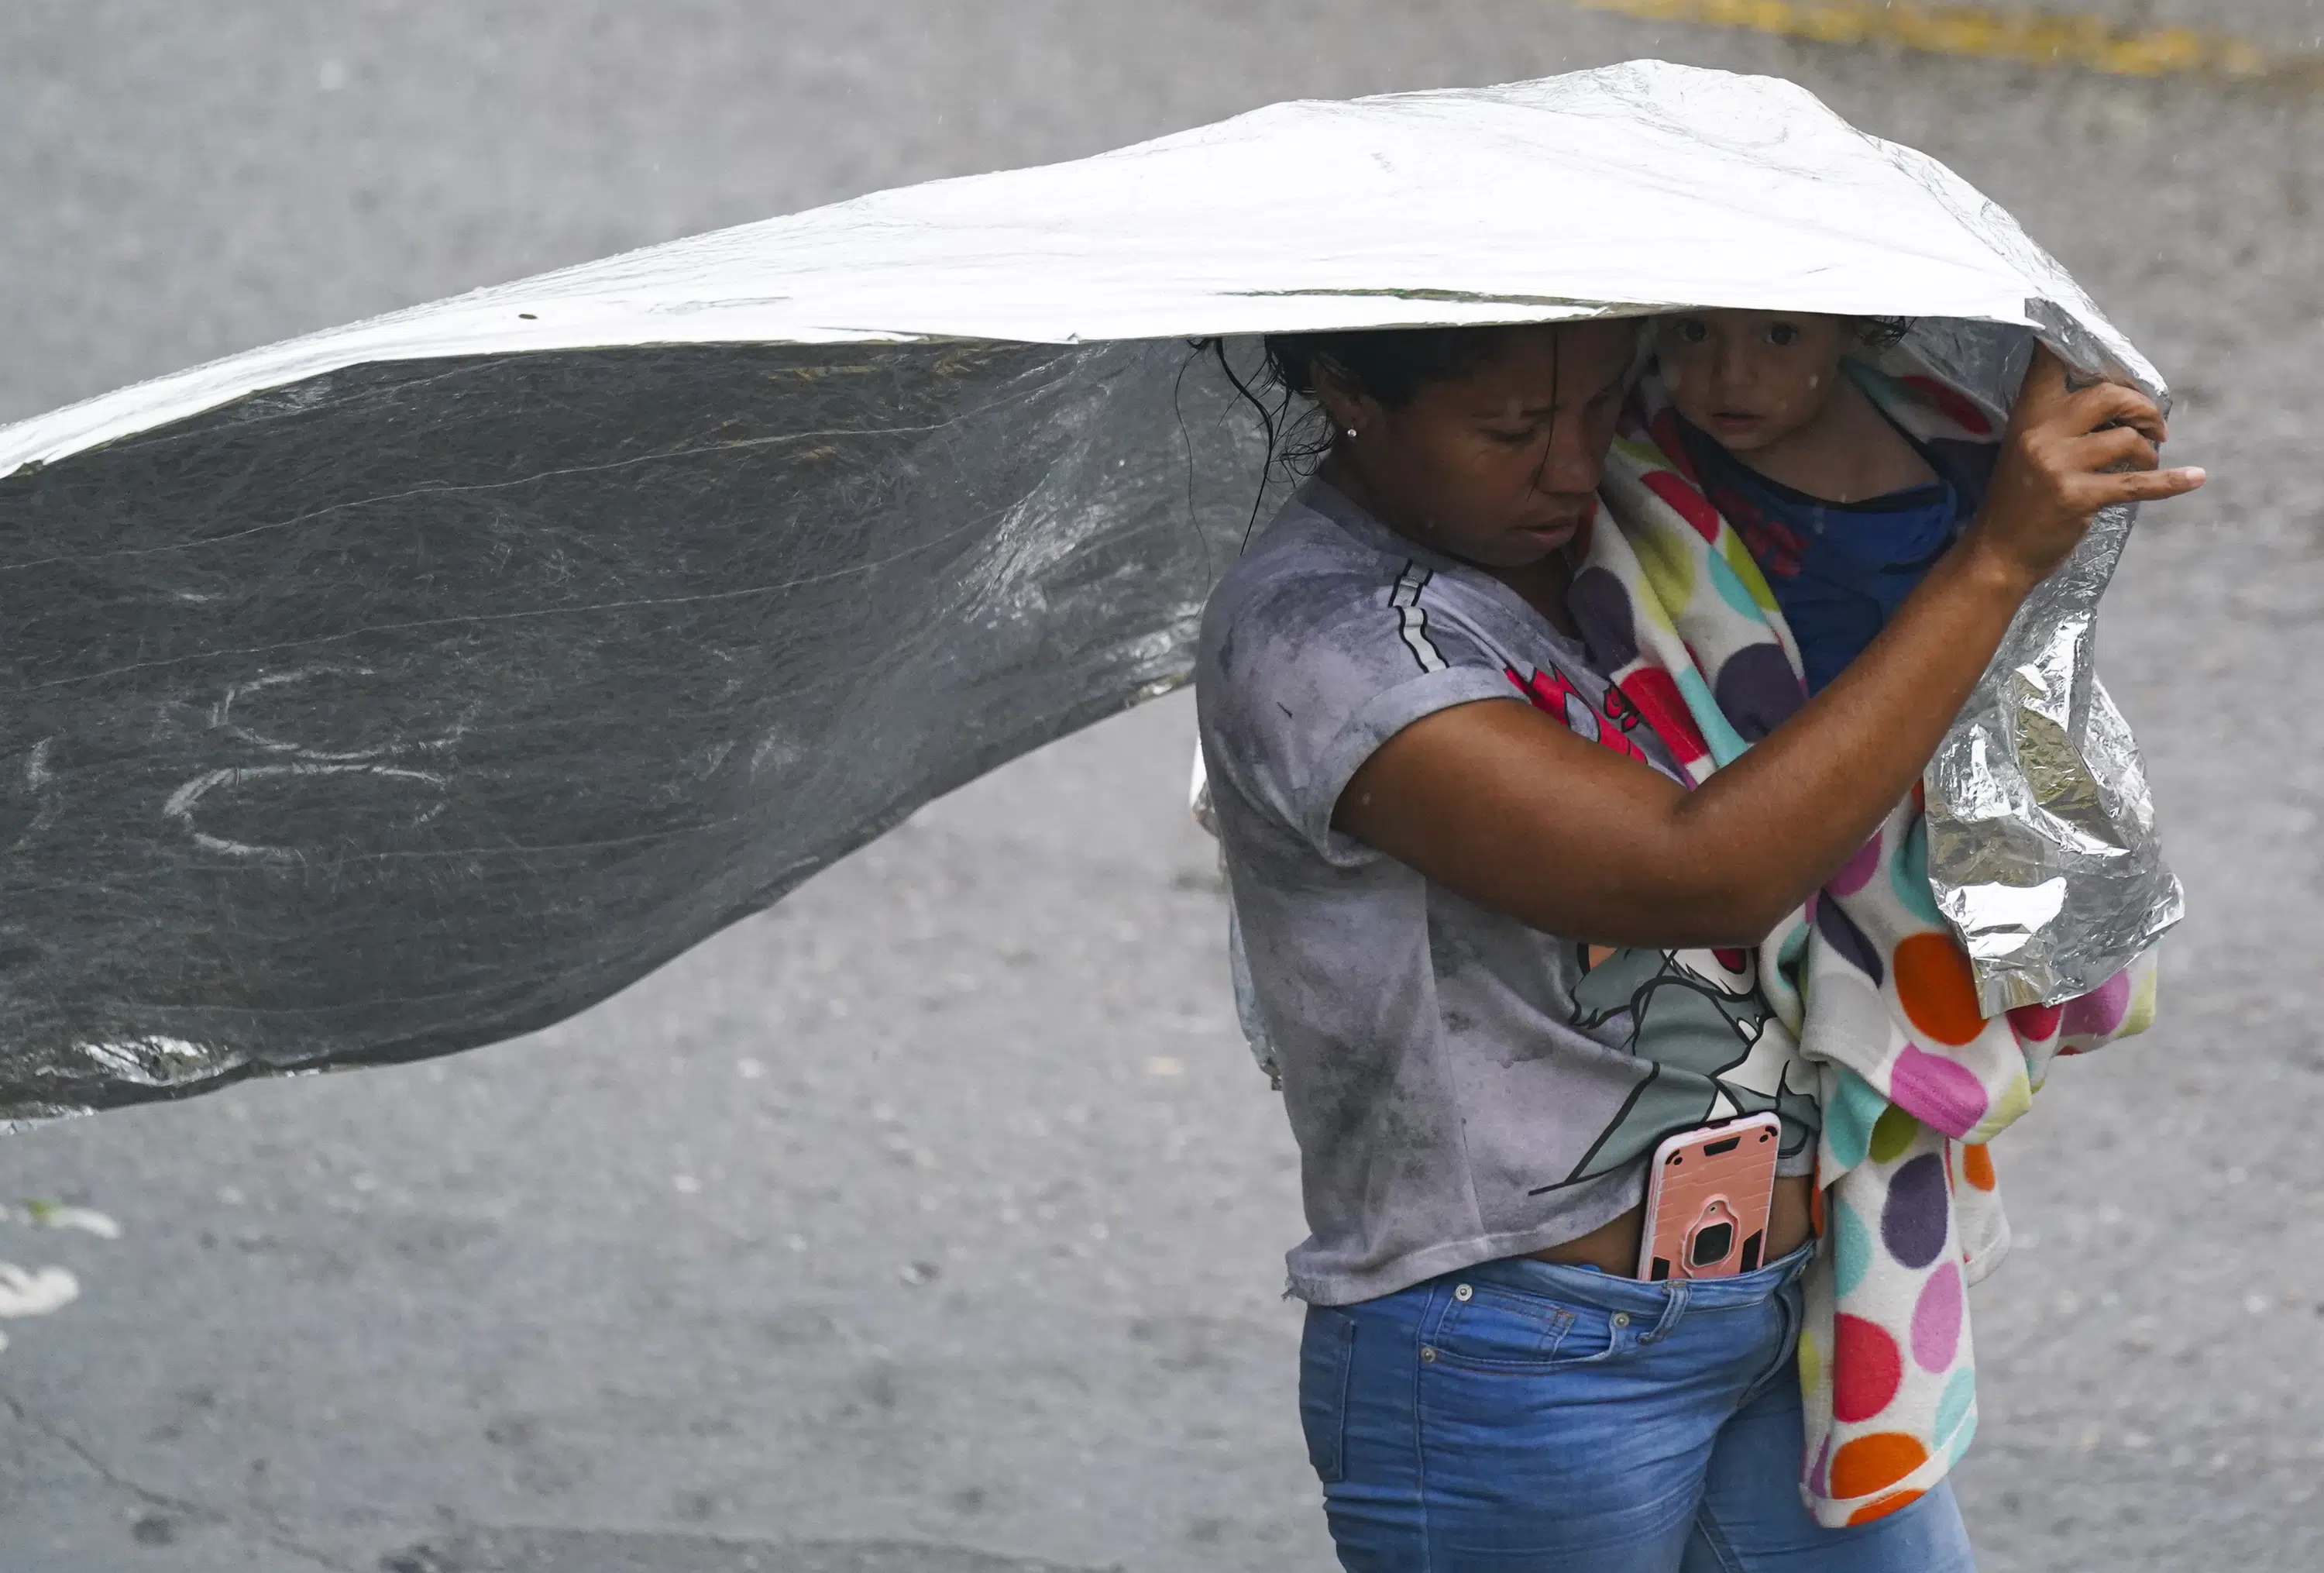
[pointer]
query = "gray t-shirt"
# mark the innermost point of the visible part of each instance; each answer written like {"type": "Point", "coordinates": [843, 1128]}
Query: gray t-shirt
{"type": "Point", "coordinates": [1462, 1086]}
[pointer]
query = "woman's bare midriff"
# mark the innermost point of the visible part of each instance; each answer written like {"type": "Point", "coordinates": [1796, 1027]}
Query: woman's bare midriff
{"type": "Point", "coordinates": [1613, 1248]}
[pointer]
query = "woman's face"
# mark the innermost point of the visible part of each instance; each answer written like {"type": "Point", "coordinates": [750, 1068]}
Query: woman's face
{"type": "Point", "coordinates": [1499, 466]}
{"type": "Point", "coordinates": [1751, 378]}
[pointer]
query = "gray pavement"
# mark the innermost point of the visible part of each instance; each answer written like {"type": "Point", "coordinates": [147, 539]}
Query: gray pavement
{"type": "Point", "coordinates": [931, 1222]}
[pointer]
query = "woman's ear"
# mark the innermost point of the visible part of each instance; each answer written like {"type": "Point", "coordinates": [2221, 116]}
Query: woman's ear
{"type": "Point", "coordinates": [1349, 409]}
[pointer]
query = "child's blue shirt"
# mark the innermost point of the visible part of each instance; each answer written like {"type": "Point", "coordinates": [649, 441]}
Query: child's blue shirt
{"type": "Point", "coordinates": [1838, 570]}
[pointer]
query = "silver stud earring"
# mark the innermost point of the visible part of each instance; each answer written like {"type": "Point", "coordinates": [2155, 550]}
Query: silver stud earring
{"type": "Point", "coordinates": [1351, 434]}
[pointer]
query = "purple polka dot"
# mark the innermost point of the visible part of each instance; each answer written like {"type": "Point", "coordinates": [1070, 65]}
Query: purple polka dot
{"type": "Point", "coordinates": [1858, 871]}
{"type": "Point", "coordinates": [1936, 1320]}
{"type": "Point", "coordinates": [1846, 938]}
{"type": "Point", "coordinates": [1820, 1477]}
{"type": "Point", "coordinates": [1933, 1088]}
{"type": "Point", "coordinates": [1602, 609]}
{"type": "Point", "coordinates": [1914, 1222]}
{"type": "Point", "coordinates": [2100, 1011]}
{"type": "Point", "coordinates": [1758, 690]}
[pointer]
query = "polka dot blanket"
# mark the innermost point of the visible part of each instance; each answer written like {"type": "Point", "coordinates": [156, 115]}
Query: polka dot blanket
{"type": "Point", "coordinates": [1865, 979]}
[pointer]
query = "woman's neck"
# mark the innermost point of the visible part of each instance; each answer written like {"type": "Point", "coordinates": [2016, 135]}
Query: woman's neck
{"type": "Point", "coordinates": [1847, 453]}
{"type": "Point", "coordinates": [1544, 585]}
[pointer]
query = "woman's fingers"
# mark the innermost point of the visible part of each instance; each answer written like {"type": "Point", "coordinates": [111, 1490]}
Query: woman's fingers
{"type": "Point", "coordinates": [2155, 484]}
{"type": "Point", "coordinates": [2113, 448]}
{"type": "Point", "coordinates": [2112, 404]}
{"type": "Point", "coordinates": [2053, 396]}
{"type": "Point", "coordinates": [2107, 489]}
{"type": "Point", "coordinates": [2073, 448]}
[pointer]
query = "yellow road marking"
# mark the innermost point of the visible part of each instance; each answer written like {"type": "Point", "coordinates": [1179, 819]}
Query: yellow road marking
{"type": "Point", "coordinates": [1978, 32]}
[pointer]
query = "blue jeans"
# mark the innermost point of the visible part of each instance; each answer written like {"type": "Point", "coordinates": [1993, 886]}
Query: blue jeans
{"type": "Point", "coordinates": [1524, 1415]}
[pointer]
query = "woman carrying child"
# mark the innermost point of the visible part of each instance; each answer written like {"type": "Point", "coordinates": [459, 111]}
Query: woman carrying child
{"type": "Point", "coordinates": [1443, 902]}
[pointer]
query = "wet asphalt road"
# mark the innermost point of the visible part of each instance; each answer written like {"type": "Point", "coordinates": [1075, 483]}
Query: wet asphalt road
{"type": "Point", "coordinates": [932, 1222]}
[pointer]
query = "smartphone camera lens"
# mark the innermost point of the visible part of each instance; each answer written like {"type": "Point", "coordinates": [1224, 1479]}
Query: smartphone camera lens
{"type": "Point", "coordinates": [1710, 1245]}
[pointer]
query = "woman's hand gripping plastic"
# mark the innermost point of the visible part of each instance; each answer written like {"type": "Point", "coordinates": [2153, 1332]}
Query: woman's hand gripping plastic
{"type": "Point", "coordinates": [2074, 446]}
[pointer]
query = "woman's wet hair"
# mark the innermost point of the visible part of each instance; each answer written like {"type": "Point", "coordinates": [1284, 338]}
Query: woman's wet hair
{"type": "Point", "coordinates": [1389, 364]}
{"type": "Point", "coordinates": [1882, 332]}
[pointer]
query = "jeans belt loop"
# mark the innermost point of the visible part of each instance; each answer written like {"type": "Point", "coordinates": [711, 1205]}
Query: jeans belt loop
{"type": "Point", "coordinates": [1673, 1307]}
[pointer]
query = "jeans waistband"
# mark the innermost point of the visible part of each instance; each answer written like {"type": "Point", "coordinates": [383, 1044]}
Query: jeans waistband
{"type": "Point", "coordinates": [1587, 1286]}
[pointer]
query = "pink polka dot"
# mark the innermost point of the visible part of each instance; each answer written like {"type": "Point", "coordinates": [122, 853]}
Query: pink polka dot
{"type": "Point", "coordinates": [1936, 1320]}
{"type": "Point", "coordinates": [2100, 1011]}
{"type": "Point", "coordinates": [1858, 871]}
{"type": "Point", "coordinates": [1866, 1370]}
{"type": "Point", "coordinates": [1936, 1090]}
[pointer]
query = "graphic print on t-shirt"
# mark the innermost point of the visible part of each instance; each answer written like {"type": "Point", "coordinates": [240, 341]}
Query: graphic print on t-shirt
{"type": "Point", "coordinates": [1697, 1020]}
{"type": "Point", "coordinates": [1554, 693]}
{"type": "Point", "coordinates": [1693, 1021]}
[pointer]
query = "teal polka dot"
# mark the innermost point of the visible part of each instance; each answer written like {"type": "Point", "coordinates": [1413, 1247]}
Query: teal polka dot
{"type": "Point", "coordinates": [1959, 1449]}
{"type": "Point", "coordinates": [1909, 874]}
{"type": "Point", "coordinates": [1726, 744]}
{"type": "Point", "coordinates": [1957, 1406]}
{"type": "Point", "coordinates": [1731, 589]}
{"type": "Point", "coordinates": [1795, 948]}
{"type": "Point", "coordinates": [1851, 1248]}
{"type": "Point", "coordinates": [1848, 1117]}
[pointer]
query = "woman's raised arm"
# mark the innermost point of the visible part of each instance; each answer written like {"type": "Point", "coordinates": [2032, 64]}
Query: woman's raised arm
{"type": "Point", "coordinates": [1498, 802]}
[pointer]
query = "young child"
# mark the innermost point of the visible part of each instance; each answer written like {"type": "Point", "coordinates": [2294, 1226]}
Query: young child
{"type": "Point", "coordinates": [1843, 511]}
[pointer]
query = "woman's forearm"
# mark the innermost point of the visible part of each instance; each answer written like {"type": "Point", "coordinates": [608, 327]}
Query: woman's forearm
{"type": "Point", "coordinates": [1770, 828]}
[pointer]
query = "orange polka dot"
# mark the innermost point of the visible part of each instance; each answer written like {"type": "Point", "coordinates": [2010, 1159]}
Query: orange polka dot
{"type": "Point", "coordinates": [1875, 1463]}
{"type": "Point", "coordinates": [1934, 985]}
{"type": "Point", "coordinates": [1892, 1503]}
{"type": "Point", "coordinates": [1977, 1165]}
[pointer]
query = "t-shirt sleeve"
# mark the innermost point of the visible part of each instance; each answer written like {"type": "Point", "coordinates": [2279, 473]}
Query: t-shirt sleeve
{"type": "Point", "coordinates": [1307, 680]}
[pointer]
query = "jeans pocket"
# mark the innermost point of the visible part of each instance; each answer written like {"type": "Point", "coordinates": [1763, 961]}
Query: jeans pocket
{"type": "Point", "coordinates": [1487, 1327]}
{"type": "Point", "coordinates": [1326, 1355]}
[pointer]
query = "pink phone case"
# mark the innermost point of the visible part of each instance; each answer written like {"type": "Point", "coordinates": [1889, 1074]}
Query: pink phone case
{"type": "Point", "coordinates": [1707, 1200]}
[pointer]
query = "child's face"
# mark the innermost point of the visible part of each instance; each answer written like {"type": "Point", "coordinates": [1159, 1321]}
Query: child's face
{"type": "Point", "coordinates": [1751, 378]}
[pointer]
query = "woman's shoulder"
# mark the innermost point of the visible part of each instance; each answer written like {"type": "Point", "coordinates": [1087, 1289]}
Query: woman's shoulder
{"type": "Point", "coordinates": [1308, 567]}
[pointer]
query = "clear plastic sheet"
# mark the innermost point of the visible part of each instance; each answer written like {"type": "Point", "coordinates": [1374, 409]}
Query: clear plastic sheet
{"type": "Point", "coordinates": [437, 701]}
{"type": "Point", "coordinates": [403, 688]}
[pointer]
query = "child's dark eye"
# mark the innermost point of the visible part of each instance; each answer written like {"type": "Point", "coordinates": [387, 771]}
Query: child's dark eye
{"type": "Point", "coordinates": [1691, 331]}
{"type": "Point", "coordinates": [1783, 334]}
